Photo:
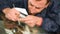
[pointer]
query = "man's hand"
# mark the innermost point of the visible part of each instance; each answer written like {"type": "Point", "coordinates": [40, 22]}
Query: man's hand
{"type": "Point", "coordinates": [32, 20]}
{"type": "Point", "coordinates": [11, 14]}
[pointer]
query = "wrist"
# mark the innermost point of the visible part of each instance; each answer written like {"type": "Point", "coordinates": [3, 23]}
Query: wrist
{"type": "Point", "coordinates": [6, 10]}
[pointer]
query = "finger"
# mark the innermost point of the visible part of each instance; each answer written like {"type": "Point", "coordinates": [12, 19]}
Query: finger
{"type": "Point", "coordinates": [17, 12]}
{"type": "Point", "coordinates": [23, 19]}
{"type": "Point", "coordinates": [7, 17]}
{"type": "Point", "coordinates": [14, 11]}
{"type": "Point", "coordinates": [16, 17]}
{"type": "Point", "coordinates": [10, 17]}
{"type": "Point", "coordinates": [30, 23]}
{"type": "Point", "coordinates": [39, 22]}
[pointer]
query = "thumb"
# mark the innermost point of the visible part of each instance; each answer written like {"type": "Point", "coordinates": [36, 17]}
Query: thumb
{"type": "Point", "coordinates": [22, 19]}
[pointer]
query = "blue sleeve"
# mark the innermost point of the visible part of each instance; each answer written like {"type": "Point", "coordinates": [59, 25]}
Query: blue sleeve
{"type": "Point", "coordinates": [49, 25]}
{"type": "Point", "coordinates": [9, 3]}
{"type": "Point", "coordinates": [3, 4]}
{"type": "Point", "coordinates": [51, 22]}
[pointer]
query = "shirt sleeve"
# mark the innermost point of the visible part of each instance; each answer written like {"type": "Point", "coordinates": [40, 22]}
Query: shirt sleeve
{"type": "Point", "coordinates": [51, 22]}
{"type": "Point", "coordinates": [9, 3]}
{"type": "Point", "coordinates": [49, 25]}
{"type": "Point", "coordinates": [3, 4]}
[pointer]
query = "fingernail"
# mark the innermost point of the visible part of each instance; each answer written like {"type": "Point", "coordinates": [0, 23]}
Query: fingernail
{"type": "Point", "coordinates": [13, 19]}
